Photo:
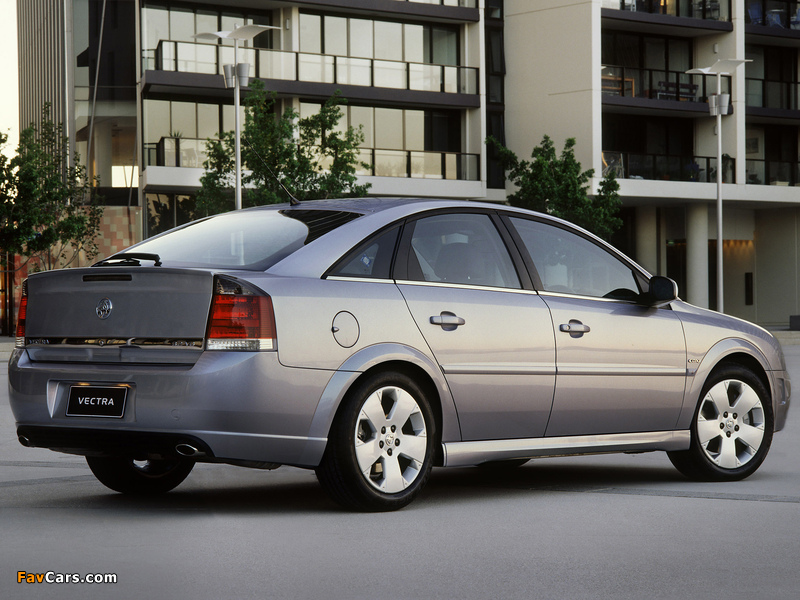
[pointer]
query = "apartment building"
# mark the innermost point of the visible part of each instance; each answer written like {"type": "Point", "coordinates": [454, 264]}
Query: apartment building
{"type": "Point", "coordinates": [613, 74]}
{"type": "Point", "coordinates": [428, 80]}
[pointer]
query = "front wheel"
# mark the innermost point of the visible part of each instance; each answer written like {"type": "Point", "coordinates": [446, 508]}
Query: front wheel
{"type": "Point", "coordinates": [380, 448]}
{"type": "Point", "coordinates": [732, 428]}
{"type": "Point", "coordinates": [146, 477]}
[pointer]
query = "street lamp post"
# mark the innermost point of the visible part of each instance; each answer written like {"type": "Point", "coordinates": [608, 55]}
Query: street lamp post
{"type": "Point", "coordinates": [717, 106]}
{"type": "Point", "coordinates": [236, 76]}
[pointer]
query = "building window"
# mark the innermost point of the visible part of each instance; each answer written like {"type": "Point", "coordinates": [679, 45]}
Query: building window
{"type": "Point", "coordinates": [408, 142]}
{"type": "Point", "coordinates": [771, 78]}
{"type": "Point", "coordinates": [105, 125]}
{"type": "Point", "coordinates": [175, 133]}
{"type": "Point", "coordinates": [163, 21]}
{"type": "Point", "coordinates": [495, 72]}
{"type": "Point", "coordinates": [165, 211]}
{"type": "Point", "coordinates": [381, 40]}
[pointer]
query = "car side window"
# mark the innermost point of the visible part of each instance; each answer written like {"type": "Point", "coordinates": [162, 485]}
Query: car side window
{"type": "Point", "coordinates": [569, 263]}
{"type": "Point", "coordinates": [372, 259]}
{"type": "Point", "coordinates": [460, 248]}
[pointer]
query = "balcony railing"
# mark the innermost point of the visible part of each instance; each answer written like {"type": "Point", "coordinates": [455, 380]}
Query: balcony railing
{"type": "Point", "coordinates": [715, 10]}
{"type": "Point", "coordinates": [659, 84]}
{"type": "Point", "coordinates": [772, 94]}
{"type": "Point", "coordinates": [176, 152]}
{"type": "Point", "coordinates": [190, 57]}
{"type": "Point", "coordinates": [772, 172]}
{"type": "Point", "coordinates": [462, 3]}
{"type": "Point", "coordinates": [419, 164]}
{"type": "Point", "coordinates": [628, 165]}
{"type": "Point", "coordinates": [191, 152]}
{"type": "Point", "coordinates": [773, 13]}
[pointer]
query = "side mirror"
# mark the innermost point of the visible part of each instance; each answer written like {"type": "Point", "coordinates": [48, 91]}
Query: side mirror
{"type": "Point", "coordinates": [663, 290]}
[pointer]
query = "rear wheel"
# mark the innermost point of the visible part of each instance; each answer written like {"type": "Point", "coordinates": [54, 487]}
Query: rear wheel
{"type": "Point", "coordinates": [380, 448]}
{"type": "Point", "coordinates": [732, 428]}
{"type": "Point", "coordinates": [145, 477]}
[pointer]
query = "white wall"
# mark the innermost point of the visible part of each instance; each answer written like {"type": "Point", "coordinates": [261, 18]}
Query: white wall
{"type": "Point", "coordinates": [553, 87]}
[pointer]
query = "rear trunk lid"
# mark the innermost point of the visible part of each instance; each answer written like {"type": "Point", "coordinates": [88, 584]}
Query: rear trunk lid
{"type": "Point", "coordinates": [118, 315]}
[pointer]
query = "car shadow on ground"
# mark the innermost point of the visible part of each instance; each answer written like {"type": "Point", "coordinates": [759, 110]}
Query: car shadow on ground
{"type": "Point", "coordinates": [299, 492]}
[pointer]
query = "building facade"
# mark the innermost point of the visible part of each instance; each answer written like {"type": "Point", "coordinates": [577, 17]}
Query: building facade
{"type": "Point", "coordinates": [429, 80]}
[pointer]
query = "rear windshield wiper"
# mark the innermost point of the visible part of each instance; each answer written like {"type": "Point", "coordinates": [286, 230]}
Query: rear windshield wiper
{"type": "Point", "coordinates": [129, 259]}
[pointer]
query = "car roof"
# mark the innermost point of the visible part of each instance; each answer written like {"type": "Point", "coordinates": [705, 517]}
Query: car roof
{"type": "Point", "coordinates": [371, 205]}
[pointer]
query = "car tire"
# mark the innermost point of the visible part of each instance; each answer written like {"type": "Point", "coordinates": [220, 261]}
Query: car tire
{"type": "Point", "coordinates": [731, 430]}
{"type": "Point", "coordinates": [134, 477]}
{"type": "Point", "coordinates": [381, 445]}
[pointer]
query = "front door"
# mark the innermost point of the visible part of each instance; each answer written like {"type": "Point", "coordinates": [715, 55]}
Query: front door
{"type": "Point", "coordinates": [621, 366]}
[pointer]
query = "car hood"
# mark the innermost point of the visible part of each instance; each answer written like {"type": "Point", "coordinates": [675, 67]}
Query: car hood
{"type": "Point", "coordinates": [703, 328]}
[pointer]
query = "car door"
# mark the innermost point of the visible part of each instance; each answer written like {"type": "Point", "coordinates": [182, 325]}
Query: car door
{"type": "Point", "coordinates": [621, 365]}
{"type": "Point", "coordinates": [492, 337]}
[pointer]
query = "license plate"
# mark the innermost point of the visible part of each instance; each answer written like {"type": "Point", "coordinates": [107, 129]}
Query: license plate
{"type": "Point", "coordinates": [97, 401]}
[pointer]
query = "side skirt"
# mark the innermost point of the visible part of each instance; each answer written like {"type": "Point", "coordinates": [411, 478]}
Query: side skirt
{"type": "Point", "coordinates": [462, 454]}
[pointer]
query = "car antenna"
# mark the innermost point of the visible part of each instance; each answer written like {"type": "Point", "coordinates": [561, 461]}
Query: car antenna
{"type": "Point", "coordinates": [292, 200]}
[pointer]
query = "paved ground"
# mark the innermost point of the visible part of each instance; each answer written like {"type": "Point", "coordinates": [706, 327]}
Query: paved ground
{"type": "Point", "coordinates": [622, 527]}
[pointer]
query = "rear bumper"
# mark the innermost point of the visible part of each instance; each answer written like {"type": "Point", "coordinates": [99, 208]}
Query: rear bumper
{"type": "Point", "coordinates": [106, 442]}
{"type": "Point", "coordinates": [238, 406]}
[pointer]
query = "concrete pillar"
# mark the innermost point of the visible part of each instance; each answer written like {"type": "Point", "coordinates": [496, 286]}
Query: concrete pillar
{"type": "Point", "coordinates": [647, 238]}
{"type": "Point", "coordinates": [102, 152]}
{"type": "Point", "coordinates": [697, 254]}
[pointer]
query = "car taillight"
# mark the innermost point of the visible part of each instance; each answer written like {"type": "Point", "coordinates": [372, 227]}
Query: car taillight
{"type": "Point", "coordinates": [21, 316]}
{"type": "Point", "coordinates": [240, 319]}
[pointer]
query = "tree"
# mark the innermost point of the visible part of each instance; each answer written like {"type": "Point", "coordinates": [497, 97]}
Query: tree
{"type": "Point", "coordinates": [313, 157]}
{"type": "Point", "coordinates": [557, 186]}
{"type": "Point", "coordinates": [54, 213]}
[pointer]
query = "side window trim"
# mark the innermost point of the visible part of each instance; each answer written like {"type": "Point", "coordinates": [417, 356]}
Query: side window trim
{"type": "Point", "coordinates": [522, 251]}
{"type": "Point", "coordinates": [637, 275]}
{"type": "Point", "coordinates": [350, 255]}
{"type": "Point", "coordinates": [400, 270]}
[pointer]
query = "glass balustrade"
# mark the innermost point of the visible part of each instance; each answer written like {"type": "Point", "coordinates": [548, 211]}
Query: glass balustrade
{"type": "Point", "coordinates": [659, 84]}
{"type": "Point", "coordinates": [191, 152]}
{"type": "Point", "coordinates": [189, 57]}
{"type": "Point", "coordinates": [629, 165]}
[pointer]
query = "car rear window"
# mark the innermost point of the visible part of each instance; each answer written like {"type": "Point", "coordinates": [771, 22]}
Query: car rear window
{"type": "Point", "coordinates": [250, 240]}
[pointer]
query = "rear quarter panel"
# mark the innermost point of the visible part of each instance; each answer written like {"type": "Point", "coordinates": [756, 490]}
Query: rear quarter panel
{"type": "Point", "coordinates": [305, 310]}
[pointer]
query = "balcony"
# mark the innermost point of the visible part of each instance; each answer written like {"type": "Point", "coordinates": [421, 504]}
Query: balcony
{"type": "Point", "coordinates": [191, 152]}
{"type": "Point", "coordinates": [653, 84]}
{"type": "Point", "coordinates": [772, 172]}
{"type": "Point", "coordinates": [628, 165]}
{"type": "Point", "coordinates": [189, 57]}
{"type": "Point", "coordinates": [714, 10]}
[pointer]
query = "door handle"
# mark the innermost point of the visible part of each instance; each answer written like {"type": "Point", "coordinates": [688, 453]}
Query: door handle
{"type": "Point", "coordinates": [574, 328]}
{"type": "Point", "coordinates": [447, 320]}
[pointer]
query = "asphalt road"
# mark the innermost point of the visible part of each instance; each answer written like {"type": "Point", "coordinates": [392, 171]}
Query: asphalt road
{"type": "Point", "coordinates": [587, 527]}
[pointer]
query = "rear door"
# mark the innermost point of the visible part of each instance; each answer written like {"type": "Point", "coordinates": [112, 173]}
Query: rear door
{"type": "Point", "coordinates": [492, 337]}
{"type": "Point", "coordinates": [621, 365]}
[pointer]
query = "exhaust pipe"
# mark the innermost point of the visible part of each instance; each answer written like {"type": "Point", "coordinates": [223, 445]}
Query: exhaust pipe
{"type": "Point", "coordinates": [25, 441]}
{"type": "Point", "coordinates": [188, 450]}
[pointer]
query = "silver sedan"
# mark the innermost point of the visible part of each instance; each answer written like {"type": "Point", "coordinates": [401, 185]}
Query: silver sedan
{"type": "Point", "coordinates": [371, 340]}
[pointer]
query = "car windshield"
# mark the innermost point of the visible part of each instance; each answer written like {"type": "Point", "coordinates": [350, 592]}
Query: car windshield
{"type": "Point", "coordinates": [250, 240]}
